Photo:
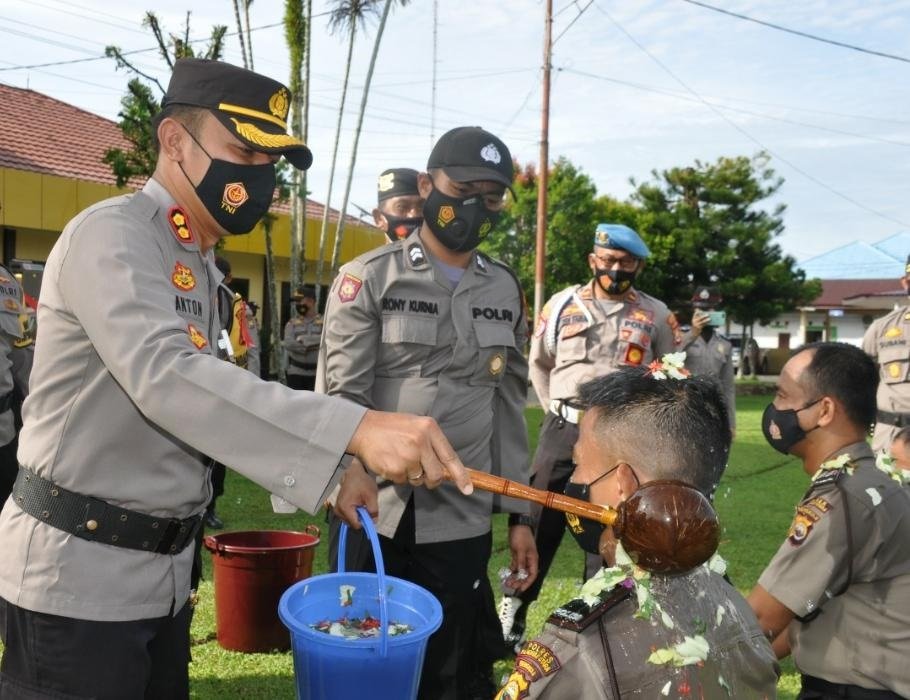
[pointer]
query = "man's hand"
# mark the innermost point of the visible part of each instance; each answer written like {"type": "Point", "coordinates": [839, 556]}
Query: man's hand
{"type": "Point", "coordinates": [524, 556]}
{"type": "Point", "coordinates": [408, 449]}
{"type": "Point", "coordinates": [358, 488]}
{"type": "Point", "coordinates": [699, 320]}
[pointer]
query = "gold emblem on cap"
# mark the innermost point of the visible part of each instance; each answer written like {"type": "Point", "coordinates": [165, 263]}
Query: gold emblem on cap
{"type": "Point", "coordinates": [602, 238]}
{"type": "Point", "coordinates": [386, 182]}
{"type": "Point", "coordinates": [234, 196]}
{"type": "Point", "coordinates": [497, 363]}
{"type": "Point", "coordinates": [279, 103]}
{"type": "Point", "coordinates": [446, 214]}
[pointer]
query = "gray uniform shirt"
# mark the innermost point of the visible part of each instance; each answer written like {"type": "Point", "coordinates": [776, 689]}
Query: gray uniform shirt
{"type": "Point", "coordinates": [570, 663]}
{"type": "Point", "coordinates": [126, 398]}
{"type": "Point", "coordinates": [579, 337]}
{"type": "Point", "coordinates": [398, 337]}
{"type": "Point", "coordinates": [887, 340]}
{"type": "Point", "coordinates": [861, 637]}
{"type": "Point", "coordinates": [714, 359]}
{"type": "Point", "coordinates": [301, 342]}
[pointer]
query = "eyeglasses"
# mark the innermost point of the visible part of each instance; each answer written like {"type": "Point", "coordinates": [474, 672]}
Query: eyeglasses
{"type": "Point", "coordinates": [609, 262]}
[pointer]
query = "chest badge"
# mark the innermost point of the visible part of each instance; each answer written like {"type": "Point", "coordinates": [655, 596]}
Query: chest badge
{"type": "Point", "coordinates": [349, 288]}
{"type": "Point", "coordinates": [634, 355]}
{"type": "Point", "coordinates": [893, 332]}
{"type": "Point", "coordinates": [11, 304]}
{"type": "Point", "coordinates": [894, 370]}
{"type": "Point", "coordinates": [497, 364]}
{"type": "Point", "coordinates": [182, 277]}
{"type": "Point", "coordinates": [196, 338]}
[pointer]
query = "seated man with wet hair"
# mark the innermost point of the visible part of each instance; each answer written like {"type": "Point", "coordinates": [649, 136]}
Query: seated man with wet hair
{"type": "Point", "coordinates": [632, 633]}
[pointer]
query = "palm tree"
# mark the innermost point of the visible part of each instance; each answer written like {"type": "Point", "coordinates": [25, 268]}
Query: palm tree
{"type": "Point", "coordinates": [246, 62]}
{"type": "Point", "coordinates": [296, 31]}
{"type": "Point", "coordinates": [347, 14]}
{"type": "Point", "coordinates": [339, 230]}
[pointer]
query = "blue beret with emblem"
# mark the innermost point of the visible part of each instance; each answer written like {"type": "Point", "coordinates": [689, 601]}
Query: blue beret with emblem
{"type": "Point", "coordinates": [622, 238]}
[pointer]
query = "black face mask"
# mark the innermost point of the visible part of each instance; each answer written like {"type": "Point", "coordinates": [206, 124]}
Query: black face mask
{"type": "Point", "coordinates": [236, 195]}
{"type": "Point", "coordinates": [459, 224]}
{"type": "Point", "coordinates": [586, 532]}
{"type": "Point", "coordinates": [401, 226]}
{"type": "Point", "coordinates": [620, 280]}
{"type": "Point", "coordinates": [303, 309]}
{"type": "Point", "coordinates": [781, 426]}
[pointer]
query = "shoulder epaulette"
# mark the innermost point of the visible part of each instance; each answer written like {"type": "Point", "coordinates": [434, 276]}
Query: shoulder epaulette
{"type": "Point", "coordinates": [500, 263]}
{"type": "Point", "coordinates": [576, 615]}
{"type": "Point", "coordinates": [828, 476]}
{"type": "Point", "coordinates": [380, 252]}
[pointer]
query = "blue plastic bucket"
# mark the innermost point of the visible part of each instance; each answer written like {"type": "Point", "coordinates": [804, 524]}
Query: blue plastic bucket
{"type": "Point", "coordinates": [327, 667]}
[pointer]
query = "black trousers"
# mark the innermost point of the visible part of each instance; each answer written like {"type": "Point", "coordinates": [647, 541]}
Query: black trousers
{"type": "Point", "coordinates": [460, 654]}
{"type": "Point", "coordinates": [300, 381]}
{"type": "Point", "coordinates": [819, 689]}
{"type": "Point", "coordinates": [550, 471]}
{"type": "Point", "coordinates": [48, 657]}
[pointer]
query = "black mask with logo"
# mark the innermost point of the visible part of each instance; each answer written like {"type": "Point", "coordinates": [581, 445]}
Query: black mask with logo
{"type": "Point", "coordinates": [237, 195]}
{"type": "Point", "coordinates": [620, 280]}
{"type": "Point", "coordinates": [781, 426]}
{"type": "Point", "coordinates": [401, 226]}
{"type": "Point", "coordinates": [459, 224]}
{"type": "Point", "coordinates": [587, 533]}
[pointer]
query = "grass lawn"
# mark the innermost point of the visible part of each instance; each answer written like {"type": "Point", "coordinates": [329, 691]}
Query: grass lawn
{"type": "Point", "coordinates": [755, 503]}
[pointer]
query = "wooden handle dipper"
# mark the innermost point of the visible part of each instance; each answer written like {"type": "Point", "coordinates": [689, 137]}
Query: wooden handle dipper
{"type": "Point", "coordinates": [666, 527]}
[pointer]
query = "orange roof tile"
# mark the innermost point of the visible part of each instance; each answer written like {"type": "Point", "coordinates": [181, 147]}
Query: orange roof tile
{"type": "Point", "coordinates": [40, 134]}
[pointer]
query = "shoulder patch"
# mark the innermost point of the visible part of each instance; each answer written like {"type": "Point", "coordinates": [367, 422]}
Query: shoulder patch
{"type": "Point", "coordinates": [576, 615]}
{"type": "Point", "coordinates": [533, 662]}
{"type": "Point", "coordinates": [349, 287]}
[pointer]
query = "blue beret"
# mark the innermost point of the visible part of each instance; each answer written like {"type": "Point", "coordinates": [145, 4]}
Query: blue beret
{"type": "Point", "coordinates": [622, 237]}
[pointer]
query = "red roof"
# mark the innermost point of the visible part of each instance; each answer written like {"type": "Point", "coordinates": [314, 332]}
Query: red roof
{"type": "Point", "coordinates": [836, 292]}
{"type": "Point", "coordinates": [39, 134]}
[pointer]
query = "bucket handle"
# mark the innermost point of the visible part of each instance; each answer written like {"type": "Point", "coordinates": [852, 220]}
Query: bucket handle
{"type": "Point", "coordinates": [370, 530]}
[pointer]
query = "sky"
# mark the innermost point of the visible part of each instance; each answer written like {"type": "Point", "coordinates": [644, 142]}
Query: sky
{"type": "Point", "coordinates": [637, 86]}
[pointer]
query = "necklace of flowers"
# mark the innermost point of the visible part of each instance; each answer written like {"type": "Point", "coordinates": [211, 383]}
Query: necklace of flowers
{"type": "Point", "coordinates": [885, 462]}
{"type": "Point", "coordinates": [840, 463]}
{"type": "Point", "coordinates": [693, 649]}
{"type": "Point", "coordinates": [670, 365]}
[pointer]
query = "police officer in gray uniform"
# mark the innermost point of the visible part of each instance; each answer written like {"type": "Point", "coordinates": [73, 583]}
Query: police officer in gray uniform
{"type": "Point", "coordinates": [836, 595]}
{"type": "Point", "coordinates": [708, 353]}
{"type": "Point", "coordinates": [428, 325]}
{"type": "Point", "coordinates": [887, 341]}
{"type": "Point", "coordinates": [302, 335]}
{"type": "Point", "coordinates": [607, 644]}
{"type": "Point", "coordinates": [127, 395]}
{"type": "Point", "coordinates": [399, 207]}
{"type": "Point", "coordinates": [584, 331]}
{"type": "Point", "coordinates": [15, 365]}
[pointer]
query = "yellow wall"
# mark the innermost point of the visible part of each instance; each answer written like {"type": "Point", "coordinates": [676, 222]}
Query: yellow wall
{"type": "Point", "coordinates": [38, 207]}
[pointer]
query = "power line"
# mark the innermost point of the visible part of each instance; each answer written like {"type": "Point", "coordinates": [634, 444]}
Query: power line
{"type": "Point", "coordinates": [745, 133]}
{"type": "Point", "coordinates": [799, 33]}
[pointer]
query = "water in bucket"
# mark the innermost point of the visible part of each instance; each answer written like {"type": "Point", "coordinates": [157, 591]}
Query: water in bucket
{"type": "Point", "coordinates": [384, 667]}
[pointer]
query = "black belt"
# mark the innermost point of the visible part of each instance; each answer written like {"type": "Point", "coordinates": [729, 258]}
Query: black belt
{"type": "Point", "coordinates": [899, 420]}
{"type": "Point", "coordinates": [842, 690]}
{"type": "Point", "coordinates": [6, 401]}
{"type": "Point", "coordinates": [98, 521]}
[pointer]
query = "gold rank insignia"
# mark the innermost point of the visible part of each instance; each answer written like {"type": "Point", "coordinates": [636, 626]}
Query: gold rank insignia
{"type": "Point", "coordinates": [893, 332]}
{"type": "Point", "coordinates": [279, 104]}
{"type": "Point", "coordinates": [349, 288]}
{"type": "Point", "coordinates": [497, 362]}
{"type": "Point", "coordinates": [234, 197]}
{"type": "Point", "coordinates": [196, 338]}
{"type": "Point", "coordinates": [894, 370]}
{"type": "Point", "coordinates": [180, 225]}
{"type": "Point", "coordinates": [182, 277]}
{"type": "Point", "coordinates": [446, 215]}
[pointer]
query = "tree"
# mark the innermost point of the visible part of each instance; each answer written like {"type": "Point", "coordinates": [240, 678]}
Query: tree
{"type": "Point", "coordinates": [140, 104]}
{"type": "Point", "coordinates": [703, 225]}
{"type": "Point", "coordinates": [573, 212]}
{"type": "Point", "coordinates": [349, 15]}
{"type": "Point", "coordinates": [339, 229]}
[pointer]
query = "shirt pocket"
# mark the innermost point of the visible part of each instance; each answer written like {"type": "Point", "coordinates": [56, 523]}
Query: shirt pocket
{"type": "Point", "coordinates": [572, 349]}
{"type": "Point", "coordinates": [894, 362]}
{"type": "Point", "coordinates": [493, 343]}
{"type": "Point", "coordinates": [406, 345]}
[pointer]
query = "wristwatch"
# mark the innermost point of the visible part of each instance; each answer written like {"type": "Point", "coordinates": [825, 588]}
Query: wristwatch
{"type": "Point", "coordinates": [520, 519]}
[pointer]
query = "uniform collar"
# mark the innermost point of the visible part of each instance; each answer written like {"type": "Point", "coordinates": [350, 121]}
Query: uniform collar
{"type": "Point", "coordinates": [175, 217]}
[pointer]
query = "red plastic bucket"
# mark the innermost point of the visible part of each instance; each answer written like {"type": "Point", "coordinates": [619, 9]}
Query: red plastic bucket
{"type": "Point", "coordinates": [252, 569]}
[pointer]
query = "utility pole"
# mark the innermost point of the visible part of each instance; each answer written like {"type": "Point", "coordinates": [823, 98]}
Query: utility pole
{"type": "Point", "coordinates": [543, 171]}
